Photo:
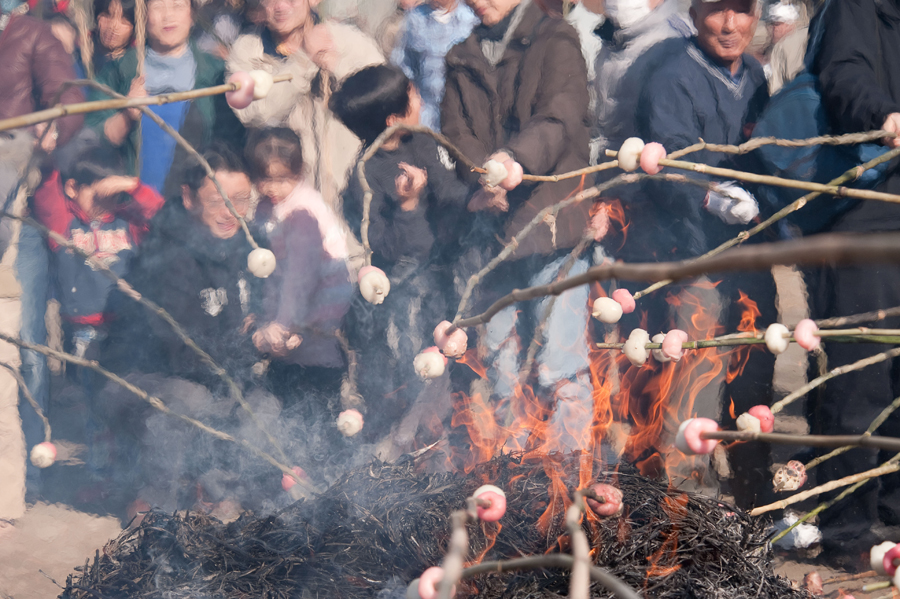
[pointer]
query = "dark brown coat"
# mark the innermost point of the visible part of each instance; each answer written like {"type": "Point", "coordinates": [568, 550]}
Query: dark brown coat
{"type": "Point", "coordinates": [33, 67]}
{"type": "Point", "coordinates": [535, 104]}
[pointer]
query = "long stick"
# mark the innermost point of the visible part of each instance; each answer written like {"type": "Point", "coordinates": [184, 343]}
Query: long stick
{"type": "Point", "coordinates": [850, 175]}
{"type": "Point", "coordinates": [552, 560]}
{"type": "Point", "coordinates": [23, 386]}
{"type": "Point", "coordinates": [886, 468]}
{"type": "Point", "coordinates": [864, 440]}
{"type": "Point", "coordinates": [835, 190]}
{"type": "Point", "coordinates": [153, 401]}
{"type": "Point", "coordinates": [859, 364]}
{"type": "Point", "coordinates": [818, 510]}
{"type": "Point", "coordinates": [875, 424]}
{"type": "Point", "coordinates": [861, 477]}
{"type": "Point", "coordinates": [56, 112]}
{"type": "Point", "coordinates": [819, 249]}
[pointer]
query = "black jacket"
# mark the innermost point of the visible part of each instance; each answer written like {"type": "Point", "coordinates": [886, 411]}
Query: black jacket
{"type": "Point", "coordinates": [859, 72]}
{"type": "Point", "coordinates": [202, 282]}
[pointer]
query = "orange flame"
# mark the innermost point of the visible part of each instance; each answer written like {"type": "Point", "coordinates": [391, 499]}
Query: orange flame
{"type": "Point", "coordinates": [741, 354]}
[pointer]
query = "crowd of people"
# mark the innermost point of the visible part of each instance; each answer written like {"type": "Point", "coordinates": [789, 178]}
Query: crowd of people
{"type": "Point", "coordinates": [540, 86]}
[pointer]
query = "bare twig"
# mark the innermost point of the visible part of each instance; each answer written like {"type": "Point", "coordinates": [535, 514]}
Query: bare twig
{"type": "Point", "coordinates": [758, 142]}
{"type": "Point", "coordinates": [864, 440]}
{"type": "Point", "coordinates": [849, 577]}
{"type": "Point", "coordinates": [861, 335]}
{"type": "Point", "coordinates": [56, 112]}
{"type": "Point", "coordinates": [879, 420]}
{"type": "Point", "coordinates": [23, 386]}
{"type": "Point", "coordinates": [580, 582]}
{"type": "Point", "coordinates": [886, 468]}
{"type": "Point", "coordinates": [873, 316]}
{"type": "Point", "coordinates": [456, 555]}
{"type": "Point", "coordinates": [850, 175]}
{"type": "Point", "coordinates": [154, 401]}
{"type": "Point", "coordinates": [552, 560]}
{"type": "Point", "coordinates": [820, 249]}
{"type": "Point", "coordinates": [859, 364]}
{"type": "Point", "coordinates": [818, 510]}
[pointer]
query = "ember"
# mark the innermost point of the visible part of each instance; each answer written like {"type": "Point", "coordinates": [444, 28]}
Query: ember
{"type": "Point", "coordinates": [380, 527]}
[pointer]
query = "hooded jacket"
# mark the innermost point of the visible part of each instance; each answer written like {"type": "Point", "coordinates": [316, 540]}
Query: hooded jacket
{"type": "Point", "coordinates": [534, 103]}
{"type": "Point", "coordinates": [33, 67]}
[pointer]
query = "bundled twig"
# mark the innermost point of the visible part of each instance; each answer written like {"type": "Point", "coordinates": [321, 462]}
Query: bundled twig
{"type": "Point", "coordinates": [382, 525]}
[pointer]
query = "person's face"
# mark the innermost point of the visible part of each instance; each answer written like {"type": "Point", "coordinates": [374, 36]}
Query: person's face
{"type": "Point", "coordinates": [209, 208]}
{"type": "Point", "coordinates": [285, 16]}
{"type": "Point", "coordinates": [114, 29]}
{"type": "Point", "coordinates": [278, 183]}
{"type": "Point", "coordinates": [168, 24]}
{"type": "Point", "coordinates": [413, 114]}
{"type": "Point", "coordinates": [725, 28]}
{"type": "Point", "coordinates": [779, 30]}
{"type": "Point", "coordinates": [492, 12]}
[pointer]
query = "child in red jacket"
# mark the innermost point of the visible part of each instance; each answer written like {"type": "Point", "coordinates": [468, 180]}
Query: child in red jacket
{"type": "Point", "coordinates": [103, 213]}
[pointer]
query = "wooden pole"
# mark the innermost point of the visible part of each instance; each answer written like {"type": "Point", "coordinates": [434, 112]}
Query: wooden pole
{"type": "Point", "coordinates": [41, 116]}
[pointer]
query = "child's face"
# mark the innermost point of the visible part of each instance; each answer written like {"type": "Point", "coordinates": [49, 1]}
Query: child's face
{"type": "Point", "coordinates": [413, 114]}
{"type": "Point", "coordinates": [88, 199]}
{"type": "Point", "coordinates": [278, 183]}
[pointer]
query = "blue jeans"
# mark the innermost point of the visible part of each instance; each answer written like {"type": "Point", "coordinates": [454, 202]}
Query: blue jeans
{"type": "Point", "coordinates": [32, 272]}
{"type": "Point", "coordinates": [562, 363]}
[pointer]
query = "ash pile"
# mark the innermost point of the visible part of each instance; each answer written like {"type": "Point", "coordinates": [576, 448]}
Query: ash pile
{"type": "Point", "coordinates": [380, 527]}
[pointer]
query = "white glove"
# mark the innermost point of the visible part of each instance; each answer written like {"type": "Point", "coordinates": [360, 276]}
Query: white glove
{"type": "Point", "coordinates": [732, 203]}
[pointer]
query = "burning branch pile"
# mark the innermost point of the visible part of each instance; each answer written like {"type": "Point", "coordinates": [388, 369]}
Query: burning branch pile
{"type": "Point", "coordinates": [380, 527]}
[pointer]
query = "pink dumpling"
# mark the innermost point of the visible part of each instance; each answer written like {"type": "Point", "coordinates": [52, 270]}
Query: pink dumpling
{"type": "Point", "coordinates": [625, 299]}
{"type": "Point", "coordinates": [612, 500]}
{"type": "Point", "coordinates": [243, 95]}
{"type": "Point", "coordinates": [693, 439]}
{"type": "Point", "coordinates": [672, 345]}
{"type": "Point", "coordinates": [650, 156]}
{"type": "Point", "coordinates": [453, 345]}
{"type": "Point", "coordinates": [765, 417]}
{"type": "Point", "coordinates": [428, 582]}
{"type": "Point", "coordinates": [805, 334]}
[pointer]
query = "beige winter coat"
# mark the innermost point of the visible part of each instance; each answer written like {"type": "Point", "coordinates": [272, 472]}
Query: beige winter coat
{"type": "Point", "coordinates": [329, 149]}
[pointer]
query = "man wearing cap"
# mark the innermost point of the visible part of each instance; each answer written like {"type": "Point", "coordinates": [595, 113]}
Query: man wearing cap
{"type": "Point", "coordinates": [707, 88]}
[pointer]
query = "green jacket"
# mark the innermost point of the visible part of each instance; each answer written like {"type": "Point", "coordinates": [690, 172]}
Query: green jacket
{"type": "Point", "coordinates": [208, 118]}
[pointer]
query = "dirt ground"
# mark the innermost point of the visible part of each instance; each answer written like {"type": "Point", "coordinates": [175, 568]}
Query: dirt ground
{"type": "Point", "coordinates": [74, 519]}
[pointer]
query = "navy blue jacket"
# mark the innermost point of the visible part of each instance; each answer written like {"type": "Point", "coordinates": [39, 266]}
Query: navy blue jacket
{"type": "Point", "coordinates": [687, 98]}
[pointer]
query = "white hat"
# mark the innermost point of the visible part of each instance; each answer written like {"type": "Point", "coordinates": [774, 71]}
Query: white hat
{"type": "Point", "coordinates": [782, 12]}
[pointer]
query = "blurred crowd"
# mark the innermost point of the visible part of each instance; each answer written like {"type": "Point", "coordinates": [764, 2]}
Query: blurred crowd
{"type": "Point", "coordinates": [539, 86]}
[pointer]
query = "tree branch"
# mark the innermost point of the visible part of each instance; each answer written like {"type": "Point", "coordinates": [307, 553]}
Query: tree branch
{"type": "Point", "coordinates": [820, 249]}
